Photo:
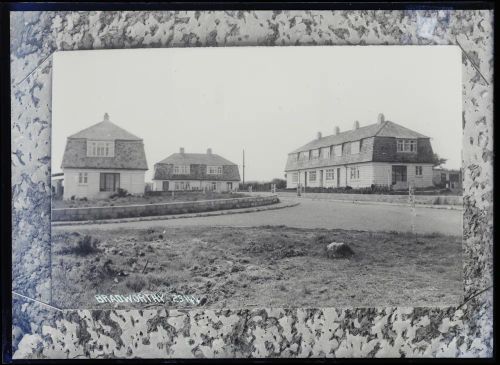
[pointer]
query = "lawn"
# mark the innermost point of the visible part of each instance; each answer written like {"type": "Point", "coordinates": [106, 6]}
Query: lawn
{"type": "Point", "coordinates": [145, 199]}
{"type": "Point", "coordinates": [270, 266]}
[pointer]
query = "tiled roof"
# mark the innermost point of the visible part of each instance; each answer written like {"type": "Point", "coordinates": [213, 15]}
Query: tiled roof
{"type": "Point", "coordinates": [196, 158]}
{"type": "Point", "coordinates": [105, 130]}
{"type": "Point", "coordinates": [198, 161]}
{"type": "Point", "coordinates": [129, 155]}
{"type": "Point", "coordinates": [385, 129]}
{"type": "Point", "coordinates": [129, 149]}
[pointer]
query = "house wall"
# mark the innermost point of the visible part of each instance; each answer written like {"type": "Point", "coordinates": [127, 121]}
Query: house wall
{"type": "Point", "coordinates": [382, 174]}
{"type": "Point", "coordinates": [196, 185]}
{"type": "Point", "coordinates": [130, 180]}
{"type": "Point", "coordinates": [377, 173]}
{"type": "Point", "coordinates": [196, 172]}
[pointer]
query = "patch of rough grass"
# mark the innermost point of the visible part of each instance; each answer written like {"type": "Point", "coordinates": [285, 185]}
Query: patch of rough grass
{"type": "Point", "coordinates": [85, 245]}
{"type": "Point", "coordinates": [135, 283]}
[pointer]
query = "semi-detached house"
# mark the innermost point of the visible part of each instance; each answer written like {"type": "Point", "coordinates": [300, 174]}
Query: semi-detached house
{"type": "Point", "coordinates": [195, 171]}
{"type": "Point", "coordinates": [383, 154]}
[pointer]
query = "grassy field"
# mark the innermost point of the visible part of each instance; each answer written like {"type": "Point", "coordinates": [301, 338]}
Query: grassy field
{"type": "Point", "coordinates": [146, 199]}
{"type": "Point", "coordinates": [257, 267]}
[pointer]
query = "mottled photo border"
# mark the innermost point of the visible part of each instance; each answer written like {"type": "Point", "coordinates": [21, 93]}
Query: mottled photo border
{"type": "Point", "coordinates": [42, 331]}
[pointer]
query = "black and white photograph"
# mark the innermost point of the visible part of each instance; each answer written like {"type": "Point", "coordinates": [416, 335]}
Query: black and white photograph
{"type": "Point", "coordinates": [260, 181]}
{"type": "Point", "coordinates": [246, 177]}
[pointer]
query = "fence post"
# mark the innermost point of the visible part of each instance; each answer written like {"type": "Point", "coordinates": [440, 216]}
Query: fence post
{"type": "Point", "coordinates": [411, 200]}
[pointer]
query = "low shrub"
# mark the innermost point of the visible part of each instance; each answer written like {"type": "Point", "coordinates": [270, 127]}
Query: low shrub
{"type": "Point", "coordinates": [85, 245]}
{"type": "Point", "coordinates": [135, 283]}
{"type": "Point", "coordinates": [120, 193]}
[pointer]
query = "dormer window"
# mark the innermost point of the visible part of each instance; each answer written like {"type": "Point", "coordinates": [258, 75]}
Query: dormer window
{"type": "Point", "coordinates": [304, 155]}
{"type": "Point", "coordinates": [406, 145]}
{"type": "Point", "coordinates": [100, 148]}
{"type": "Point", "coordinates": [355, 147]}
{"type": "Point", "coordinates": [181, 170]}
{"type": "Point", "coordinates": [325, 152]}
{"type": "Point", "coordinates": [214, 170]}
{"type": "Point", "coordinates": [315, 154]}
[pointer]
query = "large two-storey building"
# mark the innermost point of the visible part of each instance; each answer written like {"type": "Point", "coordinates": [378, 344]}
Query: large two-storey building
{"type": "Point", "coordinates": [195, 171]}
{"type": "Point", "coordinates": [383, 154]}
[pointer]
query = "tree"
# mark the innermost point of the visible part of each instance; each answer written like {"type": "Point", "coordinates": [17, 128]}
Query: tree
{"type": "Point", "coordinates": [280, 183]}
{"type": "Point", "coordinates": [438, 161]}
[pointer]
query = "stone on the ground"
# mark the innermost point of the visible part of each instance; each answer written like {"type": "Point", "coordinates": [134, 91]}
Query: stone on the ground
{"type": "Point", "coordinates": [336, 250]}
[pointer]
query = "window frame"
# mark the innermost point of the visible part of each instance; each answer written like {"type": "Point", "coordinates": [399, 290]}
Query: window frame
{"type": "Point", "coordinates": [354, 173]}
{"type": "Point", "coordinates": [100, 148]}
{"type": "Point", "coordinates": [325, 153]}
{"type": "Point", "coordinates": [103, 181]}
{"type": "Point", "coordinates": [330, 174]}
{"type": "Point", "coordinates": [358, 144]}
{"type": "Point", "coordinates": [83, 178]}
{"type": "Point", "coordinates": [310, 174]}
{"type": "Point", "coordinates": [182, 170]}
{"type": "Point", "coordinates": [406, 145]}
{"type": "Point", "coordinates": [212, 168]}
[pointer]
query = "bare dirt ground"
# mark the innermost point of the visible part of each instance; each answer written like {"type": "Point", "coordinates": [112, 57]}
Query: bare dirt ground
{"type": "Point", "coordinates": [267, 266]}
{"type": "Point", "coordinates": [145, 199]}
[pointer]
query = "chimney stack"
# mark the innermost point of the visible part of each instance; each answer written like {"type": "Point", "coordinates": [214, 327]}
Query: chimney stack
{"type": "Point", "coordinates": [381, 118]}
{"type": "Point", "coordinates": [337, 130]}
{"type": "Point", "coordinates": [356, 125]}
{"type": "Point", "coordinates": [106, 117]}
{"type": "Point", "coordinates": [318, 135]}
{"type": "Point", "coordinates": [209, 151]}
{"type": "Point", "coordinates": [181, 150]}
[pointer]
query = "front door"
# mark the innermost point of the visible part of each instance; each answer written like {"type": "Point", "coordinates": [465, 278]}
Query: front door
{"type": "Point", "coordinates": [165, 186]}
{"type": "Point", "coordinates": [338, 177]}
{"type": "Point", "coordinates": [399, 177]}
{"type": "Point", "coordinates": [229, 186]}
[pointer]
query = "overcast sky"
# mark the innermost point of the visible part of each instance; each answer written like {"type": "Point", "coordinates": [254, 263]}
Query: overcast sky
{"type": "Point", "coordinates": [266, 100]}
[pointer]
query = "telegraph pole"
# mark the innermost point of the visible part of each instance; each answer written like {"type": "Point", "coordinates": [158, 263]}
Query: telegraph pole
{"type": "Point", "coordinates": [243, 167]}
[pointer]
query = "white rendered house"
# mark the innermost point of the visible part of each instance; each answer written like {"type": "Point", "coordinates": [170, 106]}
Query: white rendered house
{"type": "Point", "coordinates": [101, 159]}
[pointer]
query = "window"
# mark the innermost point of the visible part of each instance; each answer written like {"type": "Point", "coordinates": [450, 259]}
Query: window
{"type": "Point", "coordinates": [214, 170]}
{"type": "Point", "coordinates": [325, 152]}
{"type": "Point", "coordinates": [295, 177]}
{"type": "Point", "coordinates": [337, 150]}
{"type": "Point", "coordinates": [100, 149]}
{"type": "Point", "coordinates": [304, 155]}
{"type": "Point", "coordinates": [398, 174]}
{"type": "Point", "coordinates": [312, 176]}
{"type": "Point", "coordinates": [214, 185]}
{"type": "Point", "coordinates": [330, 174]}
{"type": "Point", "coordinates": [418, 170]}
{"type": "Point", "coordinates": [109, 181]}
{"type": "Point", "coordinates": [181, 170]}
{"type": "Point", "coordinates": [355, 147]}
{"type": "Point", "coordinates": [82, 178]}
{"type": "Point", "coordinates": [354, 173]}
{"type": "Point", "coordinates": [406, 145]}
{"type": "Point", "coordinates": [315, 154]}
